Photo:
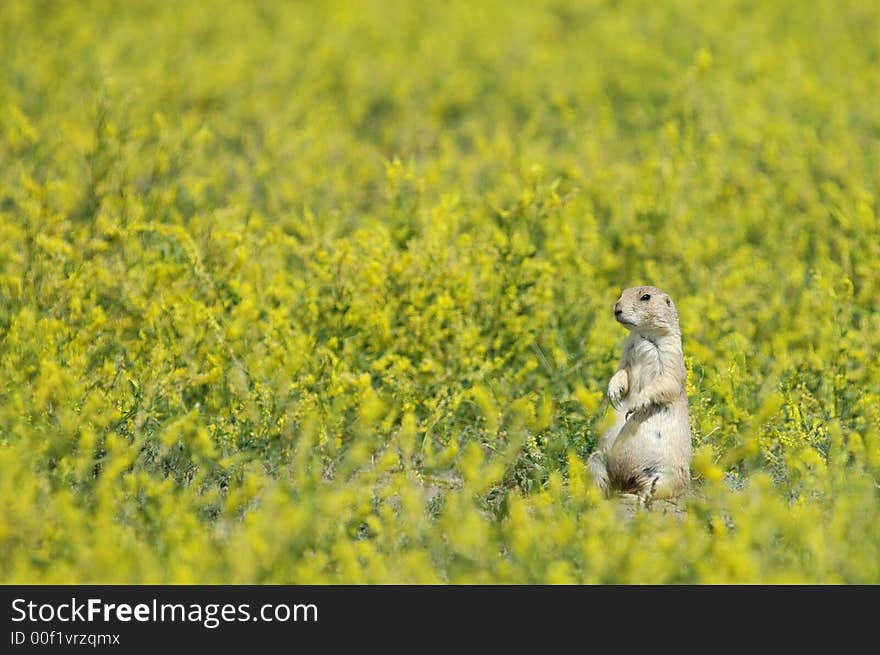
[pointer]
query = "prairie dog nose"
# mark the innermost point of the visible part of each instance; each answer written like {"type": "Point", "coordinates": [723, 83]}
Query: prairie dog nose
{"type": "Point", "coordinates": [617, 310]}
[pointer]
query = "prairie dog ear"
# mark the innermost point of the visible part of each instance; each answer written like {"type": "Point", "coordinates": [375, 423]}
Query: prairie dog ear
{"type": "Point", "coordinates": [668, 301]}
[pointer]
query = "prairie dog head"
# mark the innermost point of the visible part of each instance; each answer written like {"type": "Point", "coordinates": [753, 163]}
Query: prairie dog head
{"type": "Point", "coordinates": [646, 310]}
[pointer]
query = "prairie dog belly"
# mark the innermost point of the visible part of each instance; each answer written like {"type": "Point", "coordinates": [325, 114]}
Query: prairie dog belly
{"type": "Point", "coordinates": [649, 457]}
{"type": "Point", "coordinates": [653, 444]}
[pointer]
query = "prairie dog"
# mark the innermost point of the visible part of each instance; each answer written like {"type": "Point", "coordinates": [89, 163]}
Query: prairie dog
{"type": "Point", "coordinates": [647, 451]}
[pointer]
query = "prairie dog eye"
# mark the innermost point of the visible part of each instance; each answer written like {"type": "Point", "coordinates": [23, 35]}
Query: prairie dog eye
{"type": "Point", "coordinates": [647, 296]}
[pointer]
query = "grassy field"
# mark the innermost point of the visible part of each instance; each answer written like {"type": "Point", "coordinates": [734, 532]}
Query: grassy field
{"type": "Point", "coordinates": [321, 292]}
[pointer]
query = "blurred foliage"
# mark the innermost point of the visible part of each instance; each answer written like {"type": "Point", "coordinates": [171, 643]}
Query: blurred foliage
{"type": "Point", "coordinates": [320, 292]}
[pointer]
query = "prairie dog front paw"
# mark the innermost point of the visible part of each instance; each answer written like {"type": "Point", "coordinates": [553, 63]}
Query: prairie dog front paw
{"type": "Point", "coordinates": [640, 409]}
{"type": "Point", "coordinates": [618, 388]}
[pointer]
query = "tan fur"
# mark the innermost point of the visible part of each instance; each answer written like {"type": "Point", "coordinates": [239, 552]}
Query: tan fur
{"type": "Point", "coordinates": [647, 451]}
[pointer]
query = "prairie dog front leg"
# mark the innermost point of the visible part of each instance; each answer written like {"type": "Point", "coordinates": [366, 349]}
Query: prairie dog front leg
{"type": "Point", "coordinates": [618, 387]}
